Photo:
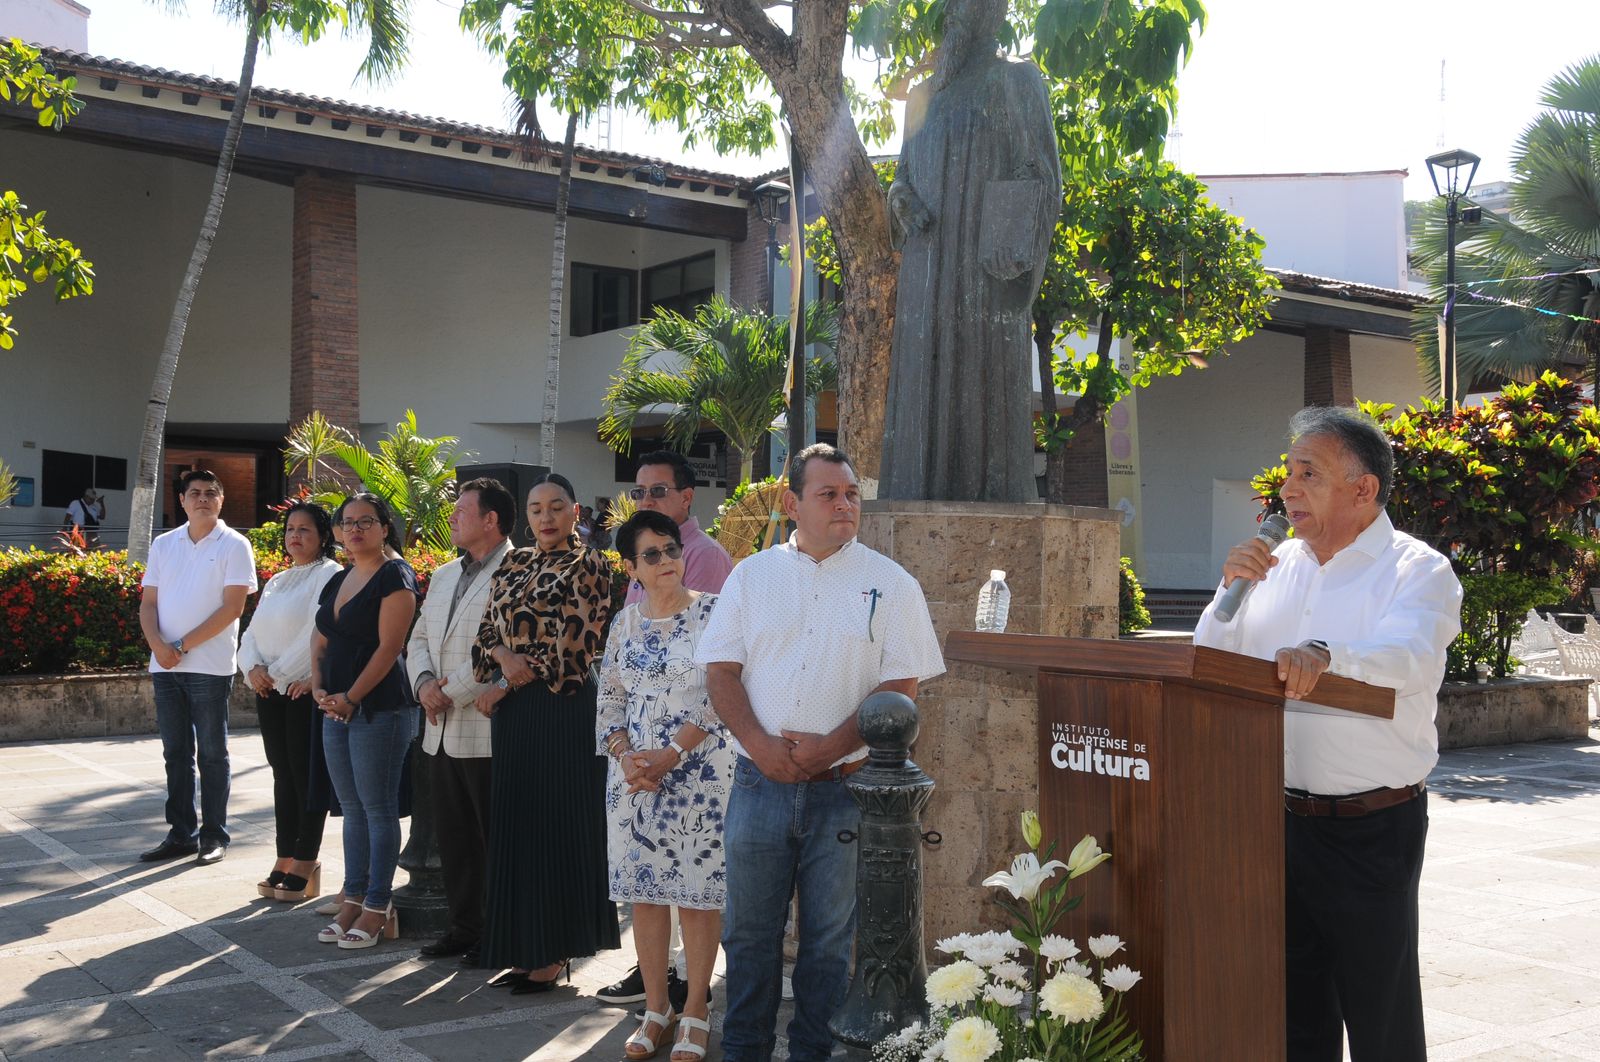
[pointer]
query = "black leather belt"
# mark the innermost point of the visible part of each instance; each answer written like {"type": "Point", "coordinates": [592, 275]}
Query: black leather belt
{"type": "Point", "coordinates": [1353, 806]}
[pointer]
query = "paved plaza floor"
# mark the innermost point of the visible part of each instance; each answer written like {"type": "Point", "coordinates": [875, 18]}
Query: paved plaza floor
{"type": "Point", "coordinates": [102, 957]}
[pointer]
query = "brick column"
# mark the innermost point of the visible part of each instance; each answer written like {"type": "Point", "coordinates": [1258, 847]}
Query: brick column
{"type": "Point", "coordinates": [1328, 380]}
{"type": "Point", "coordinates": [324, 338]}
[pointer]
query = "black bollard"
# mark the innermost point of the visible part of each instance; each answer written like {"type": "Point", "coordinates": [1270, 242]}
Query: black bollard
{"type": "Point", "coordinates": [889, 989]}
{"type": "Point", "coordinates": [420, 902]}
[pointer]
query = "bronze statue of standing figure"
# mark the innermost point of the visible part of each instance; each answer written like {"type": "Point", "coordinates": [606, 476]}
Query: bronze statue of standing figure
{"type": "Point", "coordinates": [972, 209]}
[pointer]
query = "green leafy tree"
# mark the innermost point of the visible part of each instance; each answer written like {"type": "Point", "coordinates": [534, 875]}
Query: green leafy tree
{"type": "Point", "coordinates": [383, 23]}
{"type": "Point", "coordinates": [709, 68]}
{"type": "Point", "coordinates": [27, 250]}
{"type": "Point", "coordinates": [1530, 279]}
{"type": "Point", "coordinates": [1140, 255]}
{"type": "Point", "coordinates": [415, 474]}
{"type": "Point", "coordinates": [724, 366]}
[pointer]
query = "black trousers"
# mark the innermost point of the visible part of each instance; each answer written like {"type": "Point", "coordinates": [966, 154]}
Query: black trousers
{"type": "Point", "coordinates": [1352, 935]}
{"type": "Point", "coordinates": [461, 821]}
{"type": "Point", "coordinates": [286, 732]}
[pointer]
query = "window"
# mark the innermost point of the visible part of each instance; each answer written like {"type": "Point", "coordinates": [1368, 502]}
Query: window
{"type": "Point", "coordinates": [603, 299]}
{"type": "Point", "coordinates": [680, 286]}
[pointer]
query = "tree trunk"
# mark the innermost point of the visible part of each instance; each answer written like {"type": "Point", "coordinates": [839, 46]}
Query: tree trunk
{"type": "Point", "coordinates": [558, 291]}
{"type": "Point", "coordinates": [141, 517]}
{"type": "Point", "coordinates": [1055, 457]}
{"type": "Point", "coordinates": [849, 195]}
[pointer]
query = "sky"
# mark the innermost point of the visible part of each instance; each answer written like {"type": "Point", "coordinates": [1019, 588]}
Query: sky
{"type": "Point", "coordinates": [1273, 86]}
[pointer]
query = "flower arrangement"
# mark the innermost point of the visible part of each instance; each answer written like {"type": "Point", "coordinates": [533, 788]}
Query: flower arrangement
{"type": "Point", "coordinates": [1026, 995]}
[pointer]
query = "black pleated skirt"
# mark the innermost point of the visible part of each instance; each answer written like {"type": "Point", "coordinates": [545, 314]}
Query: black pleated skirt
{"type": "Point", "coordinates": [548, 898]}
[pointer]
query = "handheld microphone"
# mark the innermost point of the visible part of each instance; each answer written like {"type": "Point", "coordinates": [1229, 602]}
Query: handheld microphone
{"type": "Point", "coordinates": [1274, 530]}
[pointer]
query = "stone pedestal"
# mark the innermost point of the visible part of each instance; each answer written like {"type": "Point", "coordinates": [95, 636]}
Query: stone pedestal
{"type": "Point", "coordinates": [978, 738]}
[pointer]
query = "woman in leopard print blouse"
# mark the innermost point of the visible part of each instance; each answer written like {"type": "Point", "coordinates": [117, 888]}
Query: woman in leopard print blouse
{"type": "Point", "coordinates": [549, 605]}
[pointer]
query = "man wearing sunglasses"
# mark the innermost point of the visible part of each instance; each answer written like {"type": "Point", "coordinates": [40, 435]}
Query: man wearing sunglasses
{"type": "Point", "coordinates": [665, 483]}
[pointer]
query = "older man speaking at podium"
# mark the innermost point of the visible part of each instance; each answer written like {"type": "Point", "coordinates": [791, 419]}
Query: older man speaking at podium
{"type": "Point", "coordinates": [1351, 595]}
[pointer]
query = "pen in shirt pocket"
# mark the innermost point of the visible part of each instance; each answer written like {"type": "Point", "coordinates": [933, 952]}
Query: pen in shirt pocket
{"type": "Point", "coordinates": [873, 597]}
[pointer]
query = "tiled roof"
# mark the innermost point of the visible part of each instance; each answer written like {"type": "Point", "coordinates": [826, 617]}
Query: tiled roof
{"type": "Point", "coordinates": [1332, 288]}
{"type": "Point", "coordinates": [84, 65]}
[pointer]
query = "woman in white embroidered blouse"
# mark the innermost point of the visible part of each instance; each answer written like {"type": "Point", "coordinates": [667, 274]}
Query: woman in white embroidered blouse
{"type": "Point", "coordinates": [275, 658]}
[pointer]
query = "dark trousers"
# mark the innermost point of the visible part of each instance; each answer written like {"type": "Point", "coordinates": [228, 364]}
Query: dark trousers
{"type": "Point", "coordinates": [461, 820]}
{"type": "Point", "coordinates": [1352, 935]}
{"type": "Point", "coordinates": [192, 715]}
{"type": "Point", "coordinates": [286, 733]}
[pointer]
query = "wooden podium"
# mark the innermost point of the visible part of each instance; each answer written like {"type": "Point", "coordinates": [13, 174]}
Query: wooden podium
{"type": "Point", "coordinates": [1172, 757]}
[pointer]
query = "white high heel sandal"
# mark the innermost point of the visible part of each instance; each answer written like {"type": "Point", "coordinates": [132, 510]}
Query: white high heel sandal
{"type": "Point", "coordinates": [330, 933]}
{"type": "Point", "coordinates": [685, 1048]}
{"type": "Point", "coordinates": [355, 939]}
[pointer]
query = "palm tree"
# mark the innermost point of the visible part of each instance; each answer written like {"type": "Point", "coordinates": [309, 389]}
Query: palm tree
{"type": "Point", "coordinates": [731, 370]}
{"type": "Point", "coordinates": [415, 474]}
{"type": "Point", "coordinates": [1529, 281]}
{"type": "Point", "coordinates": [383, 21]}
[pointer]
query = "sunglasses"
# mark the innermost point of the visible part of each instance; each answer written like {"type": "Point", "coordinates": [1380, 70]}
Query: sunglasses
{"type": "Point", "coordinates": [657, 492]}
{"type": "Point", "coordinates": [653, 557]}
{"type": "Point", "coordinates": [364, 524]}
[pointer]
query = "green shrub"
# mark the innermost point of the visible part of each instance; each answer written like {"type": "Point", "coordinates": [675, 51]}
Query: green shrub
{"type": "Point", "coordinates": [1493, 607]}
{"type": "Point", "coordinates": [1131, 613]}
{"type": "Point", "coordinates": [61, 612]}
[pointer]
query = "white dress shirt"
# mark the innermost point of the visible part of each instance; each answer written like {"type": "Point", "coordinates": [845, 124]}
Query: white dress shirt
{"type": "Point", "coordinates": [279, 635]}
{"type": "Point", "coordinates": [189, 578]}
{"type": "Point", "coordinates": [1387, 605]}
{"type": "Point", "coordinates": [815, 638]}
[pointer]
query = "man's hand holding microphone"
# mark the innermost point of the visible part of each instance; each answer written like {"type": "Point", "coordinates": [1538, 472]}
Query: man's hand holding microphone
{"type": "Point", "coordinates": [1300, 666]}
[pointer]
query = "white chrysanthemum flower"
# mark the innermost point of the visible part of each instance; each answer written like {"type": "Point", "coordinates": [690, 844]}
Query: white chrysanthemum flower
{"type": "Point", "coordinates": [1004, 994]}
{"type": "Point", "coordinates": [1120, 978]}
{"type": "Point", "coordinates": [1057, 949]}
{"type": "Point", "coordinates": [1075, 967]}
{"type": "Point", "coordinates": [1010, 970]}
{"type": "Point", "coordinates": [970, 1040]}
{"type": "Point", "coordinates": [1072, 998]}
{"type": "Point", "coordinates": [1106, 946]}
{"type": "Point", "coordinates": [986, 949]}
{"type": "Point", "coordinates": [960, 982]}
{"type": "Point", "coordinates": [955, 945]}
{"type": "Point", "coordinates": [907, 1036]}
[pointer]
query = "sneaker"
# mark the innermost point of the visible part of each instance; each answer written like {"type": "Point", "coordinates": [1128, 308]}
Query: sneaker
{"type": "Point", "coordinates": [677, 992]}
{"type": "Point", "coordinates": [628, 990]}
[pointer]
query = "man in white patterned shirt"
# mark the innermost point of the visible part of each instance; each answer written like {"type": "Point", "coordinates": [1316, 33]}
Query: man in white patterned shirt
{"type": "Point", "coordinates": [802, 633]}
{"type": "Point", "coordinates": [1351, 595]}
{"type": "Point", "coordinates": [456, 739]}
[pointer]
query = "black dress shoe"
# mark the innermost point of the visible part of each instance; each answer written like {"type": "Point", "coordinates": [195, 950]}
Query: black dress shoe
{"type": "Point", "coordinates": [445, 945]}
{"type": "Point", "coordinates": [168, 849]}
{"type": "Point", "coordinates": [509, 977]}
{"type": "Point", "coordinates": [470, 957]}
{"type": "Point", "coordinates": [211, 852]}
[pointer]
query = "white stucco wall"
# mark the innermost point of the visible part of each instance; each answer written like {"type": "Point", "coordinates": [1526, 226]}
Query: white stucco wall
{"type": "Point", "coordinates": [1386, 370]}
{"type": "Point", "coordinates": [1345, 225]}
{"type": "Point", "coordinates": [59, 23]}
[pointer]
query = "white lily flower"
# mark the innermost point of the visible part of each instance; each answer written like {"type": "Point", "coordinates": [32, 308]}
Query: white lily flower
{"type": "Point", "coordinates": [1026, 876]}
{"type": "Point", "coordinates": [1106, 946]}
{"type": "Point", "coordinates": [1086, 855]}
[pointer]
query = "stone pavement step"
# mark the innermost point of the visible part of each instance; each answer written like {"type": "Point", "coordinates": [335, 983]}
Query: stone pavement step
{"type": "Point", "coordinates": [104, 957]}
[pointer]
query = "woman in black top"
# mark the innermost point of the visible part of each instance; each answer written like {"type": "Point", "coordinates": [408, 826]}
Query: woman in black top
{"type": "Point", "coordinates": [369, 719]}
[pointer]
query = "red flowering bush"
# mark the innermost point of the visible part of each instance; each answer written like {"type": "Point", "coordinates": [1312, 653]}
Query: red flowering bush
{"type": "Point", "coordinates": [60, 612]}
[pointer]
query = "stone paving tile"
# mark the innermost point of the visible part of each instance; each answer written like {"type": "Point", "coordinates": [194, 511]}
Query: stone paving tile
{"type": "Point", "coordinates": [50, 977]}
{"type": "Point", "coordinates": [99, 1022]}
{"type": "Point", "coordinates": [145, 964]}
{"type": "Point", "coordinates": [231, 1020]}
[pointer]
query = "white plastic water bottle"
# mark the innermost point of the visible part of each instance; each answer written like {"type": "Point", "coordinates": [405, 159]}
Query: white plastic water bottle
{"type": "Point", "coordinates": [994, 603]}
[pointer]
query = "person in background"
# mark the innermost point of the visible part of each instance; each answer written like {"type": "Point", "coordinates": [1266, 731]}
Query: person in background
{"type": "Point", "coordinates": [86, 514]}
{"type": "Point", "coordinates": [369, 719]}
{"type": "Point", "coordinates": [456, 739]}
{"type": "Point", "coordinates": [668, 788]}
{"type": "Point", "coordinates": [275, 660]}
{"type": "Point", "coordinates": [195, 585]}
{"type": "Point", "coordinates": [1350, 595]}
{"type": "Point", "coordinates": [665, 484]}
{"type": "Point", "coordinates": [801, 635]}
{"type": "Point", "coordinates": [545, 626]}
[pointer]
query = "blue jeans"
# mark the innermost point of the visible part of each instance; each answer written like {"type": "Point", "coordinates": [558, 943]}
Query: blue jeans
{"type": "Point", "coordinates": [192, 715]}
{"type": "Point", "coordinates": [365, 759]}
{"type": "Point", "coordinates": [782, 840]}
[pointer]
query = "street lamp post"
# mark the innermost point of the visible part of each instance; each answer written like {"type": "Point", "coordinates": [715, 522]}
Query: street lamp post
{"type": "Point", "coordinates": [1449, 165]}
{"type": "Point", "coordinates": [772, 198]}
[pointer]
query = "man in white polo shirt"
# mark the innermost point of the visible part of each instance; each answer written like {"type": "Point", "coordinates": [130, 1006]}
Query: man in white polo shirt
{"type": "Point", "coordinates": [801, 634]}
{"type": "Point", "coordinates": [195, 585]}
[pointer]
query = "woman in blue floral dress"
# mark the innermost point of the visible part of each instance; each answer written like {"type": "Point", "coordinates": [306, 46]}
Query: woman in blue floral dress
{"type": "Point", "coordinates": [667, 788]}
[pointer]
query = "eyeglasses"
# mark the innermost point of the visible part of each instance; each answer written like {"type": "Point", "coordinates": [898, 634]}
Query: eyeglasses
{"type": "Point", "coordinates": [364, 524]}
{"type": "Point", "coordinates": [657, 492]}
{"type": "Point", "coordinates": [208, 495]}
{"type": "Point", "coordinates": [653, 557]}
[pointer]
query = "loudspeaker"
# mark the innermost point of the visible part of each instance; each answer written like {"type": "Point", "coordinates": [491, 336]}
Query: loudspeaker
{"type": "Point", "coordinates": [518, 479]}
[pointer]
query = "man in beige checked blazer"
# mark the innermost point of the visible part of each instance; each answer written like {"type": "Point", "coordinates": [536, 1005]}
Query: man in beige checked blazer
{"type": "Point", "coordinates": [456, 739]}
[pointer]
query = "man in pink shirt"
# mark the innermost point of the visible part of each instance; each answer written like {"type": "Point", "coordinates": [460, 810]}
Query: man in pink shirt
{"type": "Point", "coordinates": [665, 483]}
